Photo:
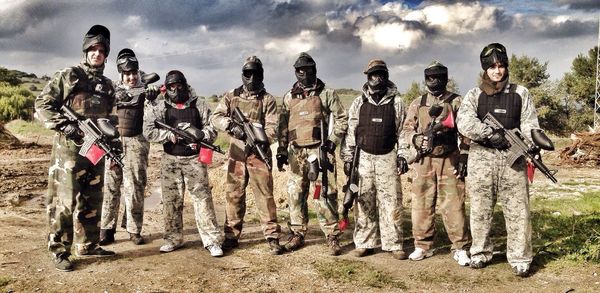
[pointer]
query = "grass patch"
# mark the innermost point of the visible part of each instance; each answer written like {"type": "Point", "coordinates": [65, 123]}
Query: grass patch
{"type": "Point", "coordinates": [588, 203]}
{"type": "Point", "coordinates": [356, 272]}
{"type": "Point", "coordinates": [28, 128]}
{"type": "Point", "coordinates": [5, 280]}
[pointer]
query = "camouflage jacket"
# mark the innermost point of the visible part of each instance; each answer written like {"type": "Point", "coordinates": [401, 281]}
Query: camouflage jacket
{"type": "Point", "coordinates": [392, 96]}
{"type": "Point", "coordinates": [330, 105]}
{"type": "Point", "coordinates": [469, 125]}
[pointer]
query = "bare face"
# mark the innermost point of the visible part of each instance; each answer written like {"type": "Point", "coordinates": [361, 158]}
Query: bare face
{"type": "Point", "coordinates": [131, 78]}
{"type": "Point", "coordinates": [496, 72]}
{"type": "Point", "coordinates": [96, 55]}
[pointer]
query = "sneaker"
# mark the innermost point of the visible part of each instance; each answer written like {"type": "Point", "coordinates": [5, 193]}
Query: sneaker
{"type": "Point", "coordinates": [521, 270]}
{"type": "Point", "coordinates": [477, 264]}
{"type": "Point", "coordinates": [215, 250]}
{"type": "Point", "coordinates": [107, 236]}
{"type": "Point", "coordinates": [274, 246]}
{"type": "Point", "coordinates": [295, 242]}
{"type": "Point", "coordinates": [334, 245]}
{"type": "Point", "coordinates": [62, 262]}
{"type": "Point", "coordinates": [461, 257]}
{"type": "Point", "coordinates": [360, 252]}
{"type": "Point", "coordinates": [399, 254]}
{"type": "Point", "coordinates": [419, 254]}
{"type": "Point", "coordinates": [230, 244]}
{"type": "Point", "coordinates": [136, 238]}
{"type": "Point", "coordinates": [94, 251]}
{"type": "Point", "coordinates": [170, 246]}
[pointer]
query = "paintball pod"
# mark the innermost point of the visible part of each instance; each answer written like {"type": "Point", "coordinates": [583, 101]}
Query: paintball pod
{"type": "Point", "coordinates": [189, 134]}
{"type": "Point", "coordinates": [256, 138]}
{"type": "Point", "coordinates": [433, 127]}
{"type": "Point", "coordinates": [350, 189]}
{"type": "Point", "coordinates": [521, 146]}
{"type": "Point", "coordinates": [97, 137]}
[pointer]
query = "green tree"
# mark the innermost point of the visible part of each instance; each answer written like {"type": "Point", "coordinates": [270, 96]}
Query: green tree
{"type": "Point", "coordinates": [528, 72]}
{"type": "Point", "coordinates": [580, 87]}
{"type": "Point", "coordinates": [9, 76]}
{"type": "Point", "coordinates": [15, 102]}
{"type": "Point", "coordinates": [415, 90]}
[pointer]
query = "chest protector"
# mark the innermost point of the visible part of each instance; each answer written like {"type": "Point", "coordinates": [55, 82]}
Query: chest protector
{"type": "Point", "coordinates": [131, 118]}
{"type": "Point", "coordinates": [506, 107]}
{"type": "Point", "coordinates": [252, 109]}
{"type": "Point", "coordinates": [445, 141]}
{"type": "Point", "coordinates": [91, 97]}
{"type": "Point", "coordinates": [173, 117]}
{"type": "Point", "coordinates": [305, 120]}
{"type": "Point", "coordinates": [376, 130]}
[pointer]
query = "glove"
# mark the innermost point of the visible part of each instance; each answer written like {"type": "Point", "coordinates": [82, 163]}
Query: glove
{"type": "Point", "coordinates": [172, 138]}
{"type": "Point", "coordinates": [329, 146]}
{"type": "Point", "coordinates": [421, 142]}
{"type": "Point", "coordinates": [72, 132]}
{"type": "Point", "coordinates": [152, 92]}
{"type": "Point", "coordinates": [237, 131]}
{"type": "Point", "coordinates": [282, 157]}
{"type": "Point", "coordinates": [347, 168]}
{"type": "Point", "coordinates": [402, 165]}
{"type": "Point", "coordinates": [497, 140]}
{"type": "Point", "coordinates": [461, 168]}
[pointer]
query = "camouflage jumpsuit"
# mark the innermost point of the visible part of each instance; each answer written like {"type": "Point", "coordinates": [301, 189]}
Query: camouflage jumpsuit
{"type": "Point", "coordinates": [435, 178]}
{"type": "Point", "coordinates": [327, 102]}
{"type": "Point", "coordinates": [243, 168]}
{"type": "Point", "coordinates": [74, 201]}
{"type": "Point", "coordinates": [181, 173]}
{"type": "Point", "coordinates": [491, 180]}
{"type": "Point", "coordinates": [132, 179]}
{"type": "Point", "coordinates": [378, 210]}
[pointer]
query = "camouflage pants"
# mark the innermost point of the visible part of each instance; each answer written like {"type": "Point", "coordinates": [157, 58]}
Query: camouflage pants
{"type": "Point", "coordinates": [240, 173]}
{"type": "Point", "coordinates": [378, 210]}
{"type": "Point", "coordinates": [434, 179]}
{"type": "Point", "coordinates": [132, 179]}
{"type": "Point", "coordinates": [74, 201]}
{"type": "Point", "coordinates": [179, 174]}
{"type": "Point", "coordinates": [491, 180]}
{"type": "Point", "coordinates": [298, 193]}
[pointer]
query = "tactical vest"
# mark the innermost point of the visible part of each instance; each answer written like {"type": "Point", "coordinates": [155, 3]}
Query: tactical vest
{"type": "Point", "coordinates": [446, 140]}
{"type": "Point", "coordinates": [91, 98]}
{"type": "Point", "coordinates": [173, 117]}
{"type": "Point", "coordinates": [506, 107]}
{"type": "Point", "coordinates": [376, 130]}
{"type": "Point", "coordinates": [305, 120]}
{"type": "Point", "coordinates": [131, 117]}
{"type": "Point", "coordinates": [252, 109]}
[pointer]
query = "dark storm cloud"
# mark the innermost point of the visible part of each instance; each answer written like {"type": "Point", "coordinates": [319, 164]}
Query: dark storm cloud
{"type": "Point", "coordinates": [568, 29]}
{"type": "Point", "coordinates": [580, 4]}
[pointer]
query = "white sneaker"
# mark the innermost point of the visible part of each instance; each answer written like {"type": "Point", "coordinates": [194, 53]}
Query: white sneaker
{"type": "Point", "coordinates": [461, 257]}
{"type": "Point", "coordinates": [418, 254]}
{"type": "Point", "coordinates": [169, 246]}
{"type": "Point", "coordinates": [215, 250]}
{"type": "Point", "coordinates": [521, 270]}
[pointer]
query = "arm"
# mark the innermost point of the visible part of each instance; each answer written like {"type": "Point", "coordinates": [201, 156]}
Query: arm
{"type": "Point", "coordinates": [340, 118]}
{"type": "Point", "coordinates": [411, 124]}
{"type": "Point", "coordinates": [347, 151]}
{"type": "Point", "coordinates": [49, 101]}
{"type": "Point", "coordinates": [220, 119]}
{"type": "Point", "coordinates": [282, 127]}
{"type": "Point", "coordinates": [464, 143]}
{"type": "Point", "coordinates": [466, 120]}
{"type": "Point", "coordinates": [400, 118]}
{"type": "Point", "coordinates": [270, 110]}
{"type": "Point", "coordinates": [529, 119]}
{"type": "Point", "coordinates": [209, 132]}
{"type": "Point", "coordinates": [154, 110]}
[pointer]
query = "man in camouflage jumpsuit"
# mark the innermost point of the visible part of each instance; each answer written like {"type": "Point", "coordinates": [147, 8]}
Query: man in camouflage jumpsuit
{"type": "Point", "coordinates": [180, 168]}
{"type": "Point", "coordinates": [374, 126]}
{"type": "Point", "coordinates": [244, 166]}
{"type": "Point", "coordinates": [74, 199]}
{"type": "Point", "coordinates": [439, 168]}
{"type": "Point", "coordinates": [305, 106]}
{"type": "Point", "coordinates": [130, 96]}
{"type": "Point", "coordinates": [491, 179]}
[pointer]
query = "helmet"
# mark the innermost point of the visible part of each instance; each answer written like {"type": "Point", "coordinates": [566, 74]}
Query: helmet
{"type": "Point", "coordinates": [375, 65]}
{"type": "Point", "coordinates": [308, 77]}
{"type": "Point", "coordinates": [98, 34]}
{"type": "Point", "coordinates": [253, 74]}
{"type": "Point", "coordinates": [252, 63]}
{"type": "Point", "coordinates": [377, 85]}
{"type": "Point", "coordinates": [174, 76]}
{"type": "Point", "coordinates": [304, 60]}
{"type": "Point", "coordinates": [126, 61]}
{"type": "Point", "coordinates": [493, 53]}
{"type": "Point", "coordinates": [436, 78]}
{"type": "Point", "coordinates": [176, 95]}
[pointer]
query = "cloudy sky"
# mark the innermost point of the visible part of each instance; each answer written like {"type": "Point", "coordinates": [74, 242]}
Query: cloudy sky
{"type": "Point", "coordinates": [208, 40]}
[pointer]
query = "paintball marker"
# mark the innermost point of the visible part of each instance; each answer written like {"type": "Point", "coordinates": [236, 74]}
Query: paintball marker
{"type": "Point", "coordinates": [97, 137]}
{"type": "Point", "coordinates": [519, 146]}
{"type": "Point", "coordinates": [324, 165]}
{"type": "Point", "coordinates": [135, 93]}
{"type": "Point", "coordinates": [433, 127]}
{"type": "Point", "coordinates": [350, 190]}
{"type": "Point", "coordinates": [256, 138]}
{"type": "Point", "coordinates": [187, 133]}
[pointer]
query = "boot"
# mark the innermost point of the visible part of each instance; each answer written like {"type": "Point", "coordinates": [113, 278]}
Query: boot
{"type": "Point", "coordinates": [107, 236]}
{"type": "Point", "coordinates": [62, 262]}
{"type": "Point", "coordinates": [230, 243]}
{"type": "Point", "coordinates": [94, 251]}
{"type": "Point", "coordinates": [360, 252]}
{"type": "Point", "coordinates": [296, 242]}
{"type": "Point", "coordinates": [334, 245]}
{"type": "Point", "coordinates": [274, 246]}
{"type": "Point", "coordinates": [399, 254]}
{"type": "Point", "coordinates": [136, 238]}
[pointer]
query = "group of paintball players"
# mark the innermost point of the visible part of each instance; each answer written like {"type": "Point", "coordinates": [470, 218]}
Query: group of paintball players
{"type": "Point", "coordinates": [492, 132]}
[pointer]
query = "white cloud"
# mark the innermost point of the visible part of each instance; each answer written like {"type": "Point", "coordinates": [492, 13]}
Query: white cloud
{"type": "Point", "coordinates": [390, 36]}
{"type": "Point", "coordinates": [459, 18]}
{"type": "Point", "coordinates": [304, 41]}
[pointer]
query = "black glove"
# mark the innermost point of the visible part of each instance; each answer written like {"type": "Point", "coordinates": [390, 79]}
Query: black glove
{"type": "Point", "coordinates": [282, 157]}
{"type": "Point", "coordinates": [329, 146]}
{"type": "Point", "coordinates": [152, 92]}
{"type": "Point", "coordinates": [72, 132]}
{"type": "Point", "coordinates": [497, 140]}
{"type": "Point", "coordinates": [461, 169]}
{"type": "Point", "coordinates": [402, 165]}
{"type": "Point", "coordinates": [237, 131]}
{"type": "Point", "coordinates": [347, 168]}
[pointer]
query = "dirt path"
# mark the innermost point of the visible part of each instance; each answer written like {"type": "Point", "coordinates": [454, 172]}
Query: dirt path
{"type": "Point", "coordinates": [25, 265]}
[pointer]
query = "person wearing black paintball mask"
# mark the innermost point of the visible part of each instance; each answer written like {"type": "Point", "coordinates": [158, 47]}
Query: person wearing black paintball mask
{"type": "Point", "coordinates": [439, 166]}
{"type": "Point", "coordinates": [493, 176]}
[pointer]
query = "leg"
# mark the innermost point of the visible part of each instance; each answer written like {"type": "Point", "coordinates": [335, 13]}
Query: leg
{"type": "Point", "coordinates": [423, 204]}
{"type": "Point", "coordinates": [173, 188]}
{"type": "Point", "coordinates": [135, 178]}
{"type": "Point", "coordinates": [261, 181]}
{"type": "Point", "coordinates": [298, 186]}
{"type": "Point", "coordinates": [112, 198]}
{"type": "Point", "coordinates": [452, 194]}
{"type": "Point", "coordinates": [366, 228]}
{"type": "Point", "coordinates": [327, 206]}
{"type": "Point", "coordinates": [237, 181]}
{"type": "Point", "coordinates": [87, 213]}
{"type": "Point", "coordinates": [389, 202]}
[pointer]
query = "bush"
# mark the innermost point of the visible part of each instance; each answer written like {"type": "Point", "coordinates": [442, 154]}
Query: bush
{"type": "Point", "coordinates": [15, 103]}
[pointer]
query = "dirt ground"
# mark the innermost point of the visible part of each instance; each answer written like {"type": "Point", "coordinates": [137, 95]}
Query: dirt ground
{"type": "Point", "coordinates": [25, 264]}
